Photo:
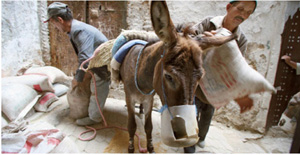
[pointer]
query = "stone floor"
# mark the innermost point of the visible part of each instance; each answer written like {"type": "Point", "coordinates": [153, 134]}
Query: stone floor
{"type": "Point", "coordinates": [220, 139]}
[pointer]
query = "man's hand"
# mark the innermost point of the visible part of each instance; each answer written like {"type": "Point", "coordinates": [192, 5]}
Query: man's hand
{"type": "Point", "coordinates": [286, 58]}
{"type": "Point", "coordinates": [245, 103]}
{"type": "Point", "coordinates": [209, 34]}
{"type": "Point", "coordinates": [288, 61]}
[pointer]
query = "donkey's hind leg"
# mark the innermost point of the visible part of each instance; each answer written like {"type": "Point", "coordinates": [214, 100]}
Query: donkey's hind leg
{"type": "Point", "coordinates": [131, 125]}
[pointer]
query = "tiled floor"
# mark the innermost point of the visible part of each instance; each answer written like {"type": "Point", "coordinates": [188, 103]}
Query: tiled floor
{"type": "Point", "coordinates": [220, 139]}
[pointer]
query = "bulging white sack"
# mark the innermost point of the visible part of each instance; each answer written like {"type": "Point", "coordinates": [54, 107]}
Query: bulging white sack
{"type": "Point", "coordinates": [15, 97]}
{"type": "Point", "coordinates": [38, 82]}
{"type": "Point", "coordinates": [45, 101]}
{"type": "Point", "coordinates": [228, 76]}
{"type": "Point", "coordinates": [54, 74]}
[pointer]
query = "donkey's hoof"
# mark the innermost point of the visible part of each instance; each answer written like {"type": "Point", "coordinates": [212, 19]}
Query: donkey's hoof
{"type": "Point", "coordinates": [150, 149]}
{"type": "Point", "coordinates": [130, 149]}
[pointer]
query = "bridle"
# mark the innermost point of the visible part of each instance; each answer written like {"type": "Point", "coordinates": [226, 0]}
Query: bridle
{"type": "Point", "coordinates": [135, 74]}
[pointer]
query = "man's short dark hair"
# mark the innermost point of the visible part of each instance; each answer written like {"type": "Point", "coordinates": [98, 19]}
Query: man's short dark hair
{"type": "Point", "coordinates": [66, 16]}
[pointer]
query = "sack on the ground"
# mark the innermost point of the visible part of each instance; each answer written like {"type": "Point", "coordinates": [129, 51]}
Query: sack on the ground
{"type": "Point", "coordinates": [45, 101]}
{"type": "Point", "coordinates": [228, 76]}
{"type": "Point", "coordinates": [38, 82]}
{"type": "Point", "coordinates": [55, 75]}
{"type": "Point", "coordinates": [60, 89]}
{"type": "Point", "coordinates": [37, 138]}
{"type": "Point", "coordinates": [15, 97]}
{"type": "Point", "coordinates": [4, 121]}
{"type": "Point", "coordinates": [79, 98]}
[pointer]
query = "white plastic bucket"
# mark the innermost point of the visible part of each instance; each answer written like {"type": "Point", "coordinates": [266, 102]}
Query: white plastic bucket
{"type": "Point", "coordinates": [186, 113]}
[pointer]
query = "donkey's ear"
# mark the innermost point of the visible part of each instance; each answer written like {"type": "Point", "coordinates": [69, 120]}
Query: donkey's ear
{"type": "Point", "coordinates": [162, 23]}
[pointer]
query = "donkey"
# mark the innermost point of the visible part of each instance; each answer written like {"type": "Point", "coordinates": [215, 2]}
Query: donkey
{"type": "Point", "coordinates": [292, 110]}
{"type": "Point", "coordinates": [171, 67]}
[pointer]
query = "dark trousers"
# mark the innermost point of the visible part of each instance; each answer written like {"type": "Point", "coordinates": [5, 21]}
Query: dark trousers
{"type": "Point", "coordinates": [206, 112]}
{"type": "Point", "coordinates": [295, 148]}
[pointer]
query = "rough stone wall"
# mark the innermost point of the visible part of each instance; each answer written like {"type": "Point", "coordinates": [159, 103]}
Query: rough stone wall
{"type": "Point", "coordinates": [44, 32]}
{"type": "Point", "coordinates": [263, 30]}
{"type": "Point", "coordinates": [20, 36]}
{"type": "Point", "coordinates": [138, 15]}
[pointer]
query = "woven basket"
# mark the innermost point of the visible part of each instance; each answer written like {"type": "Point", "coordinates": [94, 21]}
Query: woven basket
{"type": "Point", "coordinates": [103, 57]}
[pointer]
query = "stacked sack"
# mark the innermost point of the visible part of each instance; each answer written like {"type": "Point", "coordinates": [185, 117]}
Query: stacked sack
{"type": "Point", "coordinates": [38, 87]}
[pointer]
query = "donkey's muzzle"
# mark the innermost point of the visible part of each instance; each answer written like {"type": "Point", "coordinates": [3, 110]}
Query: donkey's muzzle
{"type": "Point", "coordinates": [286, 124]}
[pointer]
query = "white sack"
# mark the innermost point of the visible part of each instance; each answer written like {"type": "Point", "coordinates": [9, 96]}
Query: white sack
{"type": "Point", "coordinates": [37, 138]}
{"type": "Point", "coordinates": [45, 101]}
{"type": "Point", "coordinates": [228, 76]}
{"type": "Point", "coordinates": [38, 82]}
{"type": "Point", "coordinates": [15, 97]}
{"type": "Point", "coordinates": [4, 121]}
{"type": "Point", "coordinates": [12, 142]}
{"type": "Point", "coordinates": [60, 89]}
{"type": "Point", "coordinates": [55, 75]}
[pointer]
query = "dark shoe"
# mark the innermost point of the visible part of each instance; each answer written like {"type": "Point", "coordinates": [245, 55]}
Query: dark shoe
{"type": "Point", "coordinates": [190, 149]}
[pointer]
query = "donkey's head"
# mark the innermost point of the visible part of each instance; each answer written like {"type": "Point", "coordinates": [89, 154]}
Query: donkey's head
{"type": "Point", "coordinates": [291, 114]}
{"type": "Point", "coordinates": [175, 79]}
{"type": "Point", "coordinates": [176, 75]}
{"type": "Point", "coordinates": [292, 110]}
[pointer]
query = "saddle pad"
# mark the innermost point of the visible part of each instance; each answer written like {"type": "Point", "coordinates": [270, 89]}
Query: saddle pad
{"type": "Point", "coordinates": [128, 35]}
{"type": "Point", "coordinates": [121, 53]}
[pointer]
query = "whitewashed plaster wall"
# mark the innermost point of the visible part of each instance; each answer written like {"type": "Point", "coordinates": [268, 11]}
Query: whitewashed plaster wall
{"type": "Point", "coordinates": [263, 30]}
{"type": "Point", "coordinates": [23, 42]}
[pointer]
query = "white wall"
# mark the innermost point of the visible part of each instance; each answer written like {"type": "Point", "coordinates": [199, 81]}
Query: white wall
{"type": "Point", "coordinates": [21, 41]}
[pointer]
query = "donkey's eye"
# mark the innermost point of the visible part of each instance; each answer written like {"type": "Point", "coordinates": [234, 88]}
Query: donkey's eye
{"type": "Point", "coordinates": [292, 104]}
{"type": "Point", "coordinates": [168, 77]}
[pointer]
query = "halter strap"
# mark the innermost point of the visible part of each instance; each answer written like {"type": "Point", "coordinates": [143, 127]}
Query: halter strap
{"type": "Point", "coordinates": [163, 89]}
{"type": "Point", "coordinates": [135, 75]}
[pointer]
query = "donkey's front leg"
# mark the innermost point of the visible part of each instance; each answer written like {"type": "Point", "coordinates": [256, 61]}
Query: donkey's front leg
{"type": "Point", "coordinates": [131, 127]}
{"type": "Point", "coordinates": [148, 129]}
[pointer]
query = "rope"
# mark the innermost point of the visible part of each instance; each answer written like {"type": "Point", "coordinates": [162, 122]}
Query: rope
{"type": "Point", "coordinates": [142, 150]}
{"type": "Point", "coordinates": [135, 75]}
